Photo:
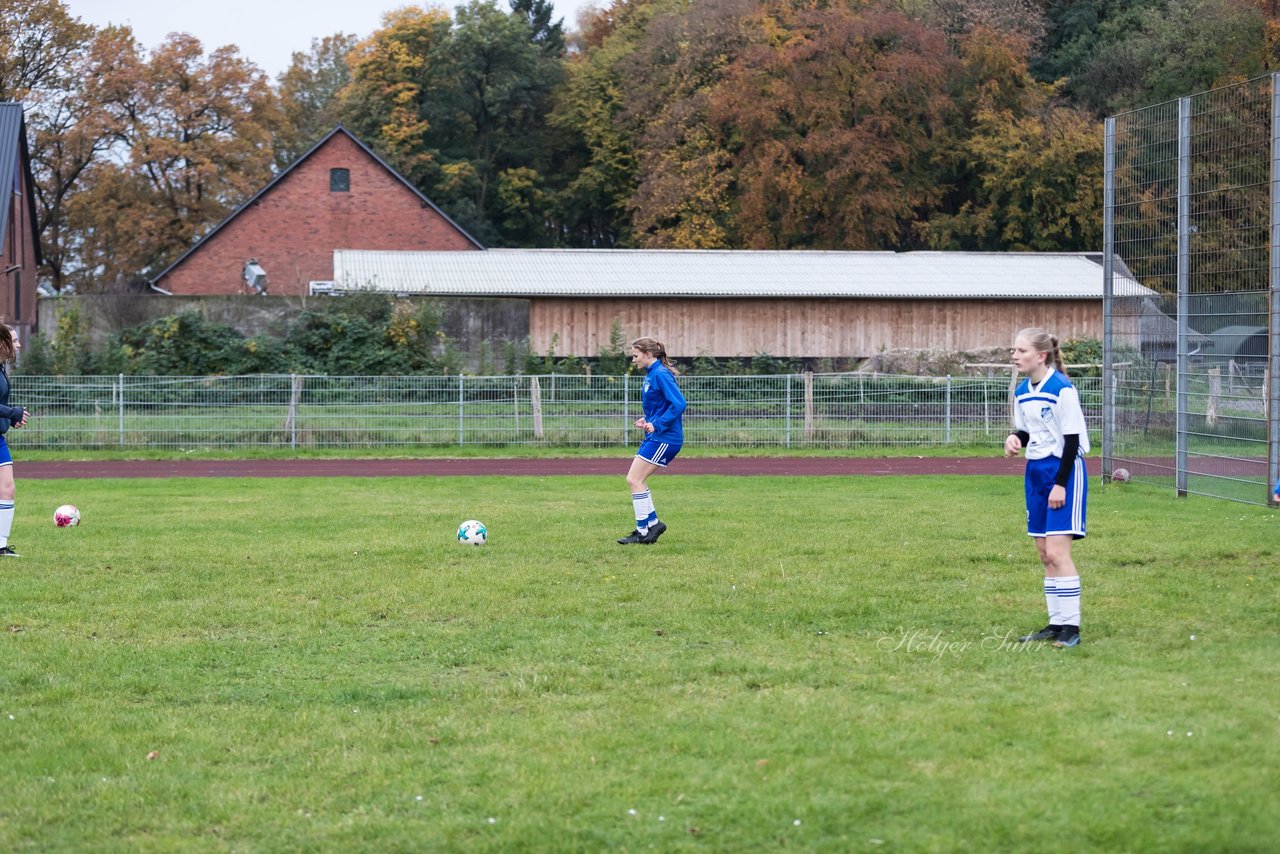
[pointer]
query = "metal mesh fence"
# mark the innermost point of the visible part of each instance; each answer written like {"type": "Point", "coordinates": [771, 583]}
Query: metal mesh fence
{"type": "Point", "coordinates": [1190, 370]}
{"type": "Point", "coordinates": [831, 411]}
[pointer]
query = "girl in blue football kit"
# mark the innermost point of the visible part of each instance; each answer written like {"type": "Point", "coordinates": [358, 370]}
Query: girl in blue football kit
{"type": "Point", "coordinates": [1048, 423]}
{"type": "Point", "coordinates": [10, 416]}
{"type": "Point", "coordinates": [663, 405]}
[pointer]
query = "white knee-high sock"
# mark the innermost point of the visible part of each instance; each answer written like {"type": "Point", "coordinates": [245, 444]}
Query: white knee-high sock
{"type": "Point", "coordinates": [6, 521]}
{"type": "Point", "coordinates": [1069, 600]}
{"type": "Point", "coordinates": [650, 515]}
{"type": "Point", "coordinates": [642, 504]}
{"type": "Point", "coordinates": [1051, 600]}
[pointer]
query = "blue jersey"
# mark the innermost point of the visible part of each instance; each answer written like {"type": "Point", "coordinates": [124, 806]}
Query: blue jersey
{"type": "Point", "coordinates": [663, 404]}
{"type": "Point", "coordinates": [8, 414]}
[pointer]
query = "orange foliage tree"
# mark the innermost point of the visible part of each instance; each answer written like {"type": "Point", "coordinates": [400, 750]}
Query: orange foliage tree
{"type": "Point", "coordinates": [832, 114]}
{"type": "Point", "coordinates": [192, 140]}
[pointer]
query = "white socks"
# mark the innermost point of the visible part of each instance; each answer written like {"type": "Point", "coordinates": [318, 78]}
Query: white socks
{"type": "Point", "coordinates": [6, 521]}
{"type": "Point", "coordinates": [1068, 596]}
{"type": "Point", "coordinates": [1051, 599]}
{"type": "Point", "coordinates": [645, 514]}
{"type": "Point", "coordinates": [1062, 595]}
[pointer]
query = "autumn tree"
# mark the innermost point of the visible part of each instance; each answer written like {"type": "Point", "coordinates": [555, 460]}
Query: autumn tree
{"type": "Point", "coordinates": [1021, 169]}
{"type": "Point", "coordinates": [1022, 19]}
{"type": "Point", "coordinates": [193, 140]}
{"type": "Point", "coordinates": [46, 57]}
{"type": "Point", "coordinates": [833, 115]}
{"type": "Point", "coordinates": [684, 197]}
{"type": "Point", "coordinates": [39, 41]}
{"type": "Point", "coordinates": [393, 78]}
{"type": "Point", "coordinates": [598, 164]}
{"type": "Point", "coordinates": [310, 95]}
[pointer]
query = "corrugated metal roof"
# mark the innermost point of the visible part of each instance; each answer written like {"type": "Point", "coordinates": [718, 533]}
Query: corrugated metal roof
{"type": "Point", "coordinates": [730, 273]}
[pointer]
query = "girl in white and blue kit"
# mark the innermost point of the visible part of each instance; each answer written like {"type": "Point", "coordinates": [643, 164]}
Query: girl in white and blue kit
{"type": "Point", "coordinates": [1048, 422]}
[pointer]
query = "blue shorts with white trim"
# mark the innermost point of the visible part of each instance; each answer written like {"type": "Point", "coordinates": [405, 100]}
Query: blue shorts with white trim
{"type": "Point", "coordinates": [1067, 520]}
{"type": "Point", "coordinates": [658, 453]}
{"type": "Point", "coordinates": [6, 459]}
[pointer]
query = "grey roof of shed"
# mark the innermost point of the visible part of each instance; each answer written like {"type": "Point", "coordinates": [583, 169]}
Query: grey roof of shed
{"type": "Point", "coordinates": [1238, 341]}
{"type": "Point", "coordinates": [14, 157]}
{"type": "Point", "coordinates": [731, 273]}
{"type": "Point", "coordinates": [1156, 327]}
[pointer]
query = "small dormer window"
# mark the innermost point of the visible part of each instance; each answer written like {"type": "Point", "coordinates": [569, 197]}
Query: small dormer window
{"type": "Point", "coordinates": [339, 180]}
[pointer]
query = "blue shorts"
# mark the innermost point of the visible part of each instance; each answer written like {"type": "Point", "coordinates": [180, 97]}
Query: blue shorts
{"type": "Point", "coordinates": [1067, 520]}
{"type": "Point", "coordinates": [6, 459]}
{"type": "Point", "coordinates": [658, 453]}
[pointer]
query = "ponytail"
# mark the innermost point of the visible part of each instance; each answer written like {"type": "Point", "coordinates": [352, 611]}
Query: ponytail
{"type": "Point", "coordinates": [1056, 355]}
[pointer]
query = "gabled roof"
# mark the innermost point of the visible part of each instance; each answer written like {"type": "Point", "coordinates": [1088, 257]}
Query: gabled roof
{"type": "Point", "coordinates": [14, 156]}
{"type": "Point", "coordinates": [643, 273]}
{"type": "Point", "coordinates": [1156, 327]}
{"type": "Point", "coordinates": [276, 180]}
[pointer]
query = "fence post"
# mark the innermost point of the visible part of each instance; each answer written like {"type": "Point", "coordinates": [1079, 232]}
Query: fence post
{"type": "Point", "coordinates": [626, 406]}
{"type": "Point", "coordinates": [1184, 296]}
{"type": "Point", "coordinates": [948, 430]}
{"type": "Point", "coordinates": [461, 440]}
{"type": "Point", "coordinates": [808, 406]}
{"type": "Point", "coordinates": [535, 399]}
{"type": "Point", "coordinates": [786, 436]}
{"type": "Point", "coordinates": [986, 410]}
{"type": "Point", "coordinates": [121, 380]}
{"type": "Point", "coordinates": [1108, 294]}
{"type": "Point", "coordinates": [1215, 397]}
{"type": "Point", "coordinates": [291, 420]}
{"type": "Point", "coordinates": [1272, 372]}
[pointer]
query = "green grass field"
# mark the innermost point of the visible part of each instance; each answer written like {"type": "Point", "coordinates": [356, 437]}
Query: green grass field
{"type": "Point", "coordinates": [801, 664]}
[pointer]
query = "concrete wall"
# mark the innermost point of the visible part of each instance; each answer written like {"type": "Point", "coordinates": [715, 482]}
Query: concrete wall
{"type": "Point", "coordinates": [479, 328]}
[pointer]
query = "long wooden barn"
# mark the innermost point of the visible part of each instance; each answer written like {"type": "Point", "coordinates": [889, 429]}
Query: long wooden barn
{"type": "Point", "coordinates": [792, 304]}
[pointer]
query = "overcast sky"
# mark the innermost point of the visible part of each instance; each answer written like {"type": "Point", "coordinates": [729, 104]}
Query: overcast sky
{"type": "Point", "coordinates": [266, 31]}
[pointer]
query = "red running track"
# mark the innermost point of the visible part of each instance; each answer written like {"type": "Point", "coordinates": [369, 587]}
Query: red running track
{"type": "Point", "coordinates": [441, 467]}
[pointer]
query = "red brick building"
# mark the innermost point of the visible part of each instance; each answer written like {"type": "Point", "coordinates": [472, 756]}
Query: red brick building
{"type": "Point", "coordinates": [19, 248]}
{"type": "Point", "coordinates": [339, 195]}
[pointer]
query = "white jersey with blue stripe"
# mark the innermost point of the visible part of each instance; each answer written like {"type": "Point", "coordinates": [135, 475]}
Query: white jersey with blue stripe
{"type": "Point", "coordinates": [1048, 412]}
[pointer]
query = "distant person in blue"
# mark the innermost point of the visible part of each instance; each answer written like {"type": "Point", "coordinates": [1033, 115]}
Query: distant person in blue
{"type": "Point", "coordinates": [10, 416]}
{"type": "Point", "coordinates": [1048, 423]}
{"type": "Point", "coordinates": [663, 404]}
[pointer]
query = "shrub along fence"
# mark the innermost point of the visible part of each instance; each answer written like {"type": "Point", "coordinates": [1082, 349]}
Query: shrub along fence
{"type": "Point", "coordinates": [807, 410]}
